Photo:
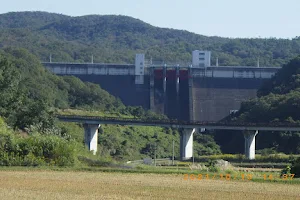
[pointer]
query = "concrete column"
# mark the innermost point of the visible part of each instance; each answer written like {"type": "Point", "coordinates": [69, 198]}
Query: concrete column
{"type": "Point", "coordinates": [165, 88]}
{"type": "Point", "coordinates": [191, 96]}
{"type": "Point", "coordinates": [186, 143]}
{"type": "Point", "coordinates": [91, 136]}
{"type": "Point", "coordinates": [152, 89]}
{"type": "Point", "coordinates": [178, 113]}
{"type": "Point", "coordinates": [165, 78]}
{"type": "Point", "coordinates": [250, 144]}
{"type": "Point", "coordinates": [177, 80]}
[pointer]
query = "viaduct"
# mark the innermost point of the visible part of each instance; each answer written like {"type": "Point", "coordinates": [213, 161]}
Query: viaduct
{"type": "Point", "coordinates": [191, 92]}
{"type": "Point", "coordinates": [250, 130]}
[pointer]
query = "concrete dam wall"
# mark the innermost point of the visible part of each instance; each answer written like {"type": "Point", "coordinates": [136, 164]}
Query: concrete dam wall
{"type": "Point", "coordinates": [183, 93]}
{"type": "Point", "coordinates": [171, 93]}
{"type": "Point", "coordinates": [122, 87]}
{"type": "Point", "coordinates": [215, 98]}
{"type": "Point", "coordinates": [174, 105]}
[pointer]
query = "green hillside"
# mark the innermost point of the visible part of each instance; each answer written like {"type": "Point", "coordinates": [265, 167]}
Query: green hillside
{"type": "Point", "coordinates": [112, 38]}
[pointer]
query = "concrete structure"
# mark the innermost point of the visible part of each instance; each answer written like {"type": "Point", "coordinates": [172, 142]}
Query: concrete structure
{"type": "Point", "coordinates": [201, 59]}
{"type": "Point", "coordinates": [139, 68]}
{"type": "Point", "coordinates": [250, 144]}
{"type": "Point", "coordinates": [199, 92]}
{"type": "Point", "coordinates": [186, 140]}
{"type": "Point", "coordinates": [180, 92]}
{"type": "Point", "coordinates": [186, 143]}
{"type": "Point", "coordinates": [91, 136]}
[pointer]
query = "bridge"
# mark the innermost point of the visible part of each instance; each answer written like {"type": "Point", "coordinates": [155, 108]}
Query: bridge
{"type": "Point", "coordinates": [250, 130]}
{"type": "Point", "coordinates": [196, 91]}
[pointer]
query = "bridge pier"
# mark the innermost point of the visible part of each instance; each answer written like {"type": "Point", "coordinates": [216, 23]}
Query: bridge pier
{"type": "Point", "coordinates": [165, 107]}
{"type": "Point", "coordinates": [91, 136]}
{"type": "Point", "coordinates": [165, 79]}
{"type": "Point", "coordinates": [250, 144]}
{"type": "Point", "coordinates": [186, 143]}
{"type": "Point", "coordinates": [177, 81]}
{"type": "Point", "coordinates": [191, 96]}
{"type": "Point", "coordinates": [152, 106]}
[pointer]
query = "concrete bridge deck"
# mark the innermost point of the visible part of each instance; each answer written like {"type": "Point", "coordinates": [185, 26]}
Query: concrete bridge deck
{"type": "Point", "coordinates": [250, 130]}
{"type": "Point", "coordinates": [182, 124]}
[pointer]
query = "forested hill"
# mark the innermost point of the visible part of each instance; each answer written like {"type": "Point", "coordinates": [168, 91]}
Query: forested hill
{"type": "Point", "coordinates": [113, 38]}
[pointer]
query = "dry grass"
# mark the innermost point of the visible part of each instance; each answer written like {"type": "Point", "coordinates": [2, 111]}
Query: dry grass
{"type": "Point", "coordinates": [91, 185]}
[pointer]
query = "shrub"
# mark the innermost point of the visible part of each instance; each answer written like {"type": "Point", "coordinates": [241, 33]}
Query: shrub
{"type": "Point", "coordinates": [295, 169]}
{"type": "Point", "coordinates": [211, 163]}
{"type": "Point", "coordinates": [229, 171]}
{"type": "Point", "coordinates": [100, 162]}
{"type": "Point", "coordinates": [286, 170]}
{"type": "Point", "coordinates": [212, 166]}
{"type": "Point", "coordinates": [36, 150]}
{"type": "Point", "coordinates": [213, 169]}
{"type": "Point", "coordinates": [276, 158]}
{"type": "Point", "coordinates": [266, 151]}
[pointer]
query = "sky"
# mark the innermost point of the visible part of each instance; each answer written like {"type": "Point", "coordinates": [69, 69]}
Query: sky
{"type": "Point", "coordinates": [225, 18]}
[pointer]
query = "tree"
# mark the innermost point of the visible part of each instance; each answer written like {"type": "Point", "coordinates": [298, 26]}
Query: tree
{"type": "Point", "coordinates": [9, 82]}
{"type": "Point", "coordinates": [16, 106]}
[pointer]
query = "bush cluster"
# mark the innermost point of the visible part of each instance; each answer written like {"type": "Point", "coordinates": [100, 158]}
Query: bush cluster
{"type": "Point", "coordinates": [276, 158]}
{"type": "Point", "coordinates": [36, 150]}
{"type": "Point", "coordinates": [295, 169]}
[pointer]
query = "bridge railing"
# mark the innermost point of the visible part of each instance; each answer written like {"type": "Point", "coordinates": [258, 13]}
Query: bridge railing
{"type": "Point", "coordinates": [180, 122]}
{"type": "Point", "coordinates": [87, 63]}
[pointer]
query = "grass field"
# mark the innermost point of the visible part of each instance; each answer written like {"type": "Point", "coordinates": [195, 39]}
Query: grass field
{"type": "Point", "coordinates": [102, 185]}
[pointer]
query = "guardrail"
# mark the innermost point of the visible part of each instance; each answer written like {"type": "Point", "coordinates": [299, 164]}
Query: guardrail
{"type": "Point", "coordinates": [179, 122]}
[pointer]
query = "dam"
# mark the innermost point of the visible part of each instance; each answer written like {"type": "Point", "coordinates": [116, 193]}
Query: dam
{"type": "Point", "coordinates": [196, 91]}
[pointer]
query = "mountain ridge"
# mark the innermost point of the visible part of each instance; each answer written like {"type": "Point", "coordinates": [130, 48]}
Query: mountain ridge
{"type": "Point", "coordinates": [117, 38]}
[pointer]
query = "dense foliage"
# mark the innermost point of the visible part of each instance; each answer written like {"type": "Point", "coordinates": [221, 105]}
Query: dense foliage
{"type": "Point", "coordinates": [136, 142]}
{"type": "Point", "coordinates": [118, 38]}
{"type": "Point", "coordinates": [17, 150]}
{"type": "Point", "coordinates": [295, 169]}
{"type": "Point", "coordinates": [124, 142]}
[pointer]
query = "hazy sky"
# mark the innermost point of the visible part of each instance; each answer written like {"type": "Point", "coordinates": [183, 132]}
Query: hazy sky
{"type": "Point", "coordinates": [227, 18]}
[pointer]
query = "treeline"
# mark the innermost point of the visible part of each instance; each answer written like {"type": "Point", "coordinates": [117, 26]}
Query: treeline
{"type": "Point", "coordinates": [113, 38]}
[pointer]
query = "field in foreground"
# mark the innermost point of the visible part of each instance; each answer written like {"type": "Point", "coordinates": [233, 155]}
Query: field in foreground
{"type": "Point", "coordinates": [102, 185]}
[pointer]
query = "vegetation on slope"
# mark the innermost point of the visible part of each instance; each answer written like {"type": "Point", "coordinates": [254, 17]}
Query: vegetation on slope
{"type": "Point", "coordinates": [118, 38]}
{"type": "Point", "coordinates": [18, 150]}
